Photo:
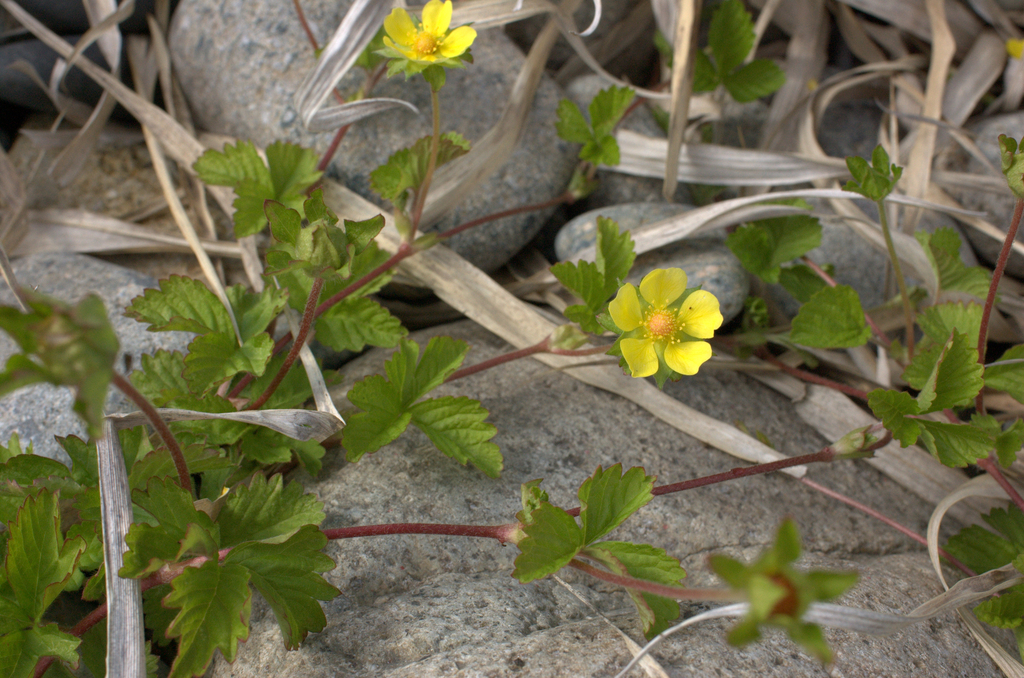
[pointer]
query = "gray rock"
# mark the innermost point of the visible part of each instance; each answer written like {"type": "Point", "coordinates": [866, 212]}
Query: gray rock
{"type": "Point", "coordinates": [998, 206]}
{"type": "Point", "coordinates": [41, 411]}
{"type": "Point", "coordinates": [707, 261]}
{"type": "Point", "coordinates": [240, 64]}
{"type": "Point", "coordinates": [428, 605]}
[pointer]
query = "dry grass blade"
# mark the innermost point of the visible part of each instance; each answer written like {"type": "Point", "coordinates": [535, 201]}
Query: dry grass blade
{"type": "Point", "coordinates": [912, 17]}
{"type": "Point", "coordinates": [684, 48]}
{"type": "Point", "coordinates": [360, 24]}
{"type": "Point", "coordinates": [126, 650]}
{"type": "Point", "coordinates": [72, 110]}
{"type": "Point", "coordinates": [492, 13]}
{"type": "Point", "coordinates": [296, 424]}
{"type": "Point", "coordinates": [636, 26]}
{"type": "Point", "coordinates": [110, 45]}
{"type": "Point", "coordinates": [322, 397]}
{"type": "Point", "coordinates": [55, 230]}
{"type": "Point", "coordinates": [855, 37]}
{"type": "Point", "coordinates": [595, 21]}
{"type": "Point", "coordinates": [990, 11]}
{"type": "Point", "coordinates": [112, 136]}
{"type": "Point", "coordinates": [330, 119]}
{"type": "Point", "coordinates": [478, 296]}
{"type": "Point", "coordinates": [12, 200]}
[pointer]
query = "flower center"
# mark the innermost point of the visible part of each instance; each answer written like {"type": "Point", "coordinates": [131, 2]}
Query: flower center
{"type": "Point", "coordinates": [660, 324]}
{"type": "Point", "coordinates": [425, 43]}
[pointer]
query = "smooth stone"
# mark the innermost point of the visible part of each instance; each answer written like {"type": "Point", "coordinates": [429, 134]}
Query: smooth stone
{"type": "Point", "coordinates": [241, 62]}
{"type": "Point", "coordinates": [419, 605]}
{"type": "Point", "coordinates": [707, 261]}
{"type": "Point", "coordinates": [998, 206]}
{"type": "Point", "coordinates": [41, 411]}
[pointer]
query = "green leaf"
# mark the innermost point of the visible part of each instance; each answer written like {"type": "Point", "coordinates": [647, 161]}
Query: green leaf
{"type": "Point", "coordinates": [361, 233]}
{"type": "Point", "coordinates": [587, 282]}
{"type": "Point", "coordinates": [159, 464]}
{"type": "Point", "coordinates": [183, 304]}
{"type": "Point", "coordinates": [955, 445]}
{"type": "Point", "coordinates": [25, 469]}
{"type": "Point", "coordinates": [730, 35]}
{"type": "Point", "coordinates": [407, 168]}
{"type": "Point", "coordinates": [1013, 164]}
{"type": "Point", "coordinates": [21, 651]}
{"type": "Point", "coordinates": [214, 602]}
{"type": "Point", "coordinates": [956, 378]}
{"type": "Point", "coordinates": [355, 322]}
{"type": "Point", "coordinates": [603, 150]}
{"type": "Point", "coordinates": [757, 79]}
{"type": "Point", "coordinates": [608, 107]}
{"type": "Point", "coordinates": [13, 447]}
{"type": "Point", "coordinates": [384, 419]}
{"type": "Point", "coordinates": [1009, 442]}
{"type": "Point", "coordinates": [892, 407]}
{"type": "Point", "coordinates": [763, 245]}
{"type": "Point", "coordinates": [292, 171]}
{"type": "Point", "coordinates": [1009, 378]}
{"type": "Point", "coordinates": [980, 549]}
{"type": "Point", "coordinates": [253, 311]}
{"type": "Point", "coordinates": [1005, 612]}
{"type": "Point", "coordinates": [874, 181]}
{"type": "Point", "coordinates": [705, 77]}
{"type": "Point", "coordinates": [532, 497]}
{"type": "Point", "coordinates": [456, 426]}
{"type": "Point", "coordinates": [151, 546]}
{"type": "Point", "coordinates": [267, 511]}
{"type": "Point", "coordinates": [607, 498]}
{"type": "Point", "coordinates": [160, 378]}
{"type": "Point", "coordinates": [571, 125]}
{"type": "Point", "coordinates": [615, 255]}
{"type": "Point", "coordinates": [552, 539]}
{"type": "Point", "coordinates": [216, 357]}
{"type": "Point", "coordinates": [801, 281]}
{"type": "Point", "coordinates": [938, 321]}
{"type": "Point", "coordinates": [286, 575]}
{"type": "Point", "coordinates": [39, 560]}
{"type": "Point", "coordinates": [833, 318]}
{"type": "Point", "coordinates": [266, 447]}
{"type": "Point", "coordinates": [84, 463]}
{"type": "Point", "coordinates": [648, 563]}
{"type": "Point", "coordinates": [943, 251]}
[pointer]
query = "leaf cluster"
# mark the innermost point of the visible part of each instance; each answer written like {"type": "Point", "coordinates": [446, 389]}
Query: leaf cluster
{"type": "Point", "coordinates": [595, 282]}
{"type": "Point", "coordinates": [289, 170]}
{"type": "Point", "coordinates": [390, 403]}
{"type": "Point", "coordinates": [874, 181]}
{"type": "Point", "coordinates": [606, 110]}
{"type": "Point", "coordinates": [406, 170]}
{"type": "Point", "coordinates": [730, 39]}
{"type": "Point", "coordinates": [551, 539]}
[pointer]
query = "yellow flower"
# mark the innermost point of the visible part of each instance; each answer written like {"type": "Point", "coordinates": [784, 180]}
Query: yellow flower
{"type": "Point", "coordinates": [431, 41]}
{"type": "Point", "coordinates": [658, 327]}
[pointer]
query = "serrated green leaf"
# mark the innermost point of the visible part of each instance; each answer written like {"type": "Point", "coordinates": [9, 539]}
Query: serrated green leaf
{"type": "Point", "coordinates": [441, 357]}
{"type": "Point", "coordinates": [1005, 612]}
{"type": "Point", "coordinates": [607, 498]}
{"type": "Point", "coordinates": [832, 318]}
{"type": "Point", "coordinates": [292, 171]}
{"type": "Point", "coordinates": [892, 407]}
{"type": "Point", "coordinates": [980, 549]}
{"type": "Point", "coordinates": [183, 304]}
{"type": "Point", "coordinates": [874, 181]}
{"type": "Point", "coordinates": [456, 426]}
{"type": "Point", "coordinates": [266, 447]}
{"type": "Point", "coordinates": [705, 76]}
{"type": "Point", "coordinates": [571, 125]}
{"type": "Point", "coordinates": [14, 449]}
{"type": "Point", "coordinates": [532, 497]}
{"type": "Point", "coordinates": [355, 322]}
{"type": "Point", "coordinates": [159, 377]}
{"type": "Point", "coordinates": [602, 150]}
{"type": "Point", "coordinates": [255, 311]}
{"type": "Point", "coordinates": [361, 233]}
{"type": "Point", "coordinates": [587, 282]}
{"type": "Point", "coordinates": [21, 651]}
{"type": "Point", "coordinates": [156, 616]}
{"type": "Point", "coordinates": [232, 166]}
{"type": "Point", "coordinates": [151, 546]}
{"type": "Point", "coordinates": [648, 563]}
{"type": "Point", "coordinates": [1008, 378]}
{"type": "Point", "coordinates": [384, 419]}
{"type": "Point", "coordinates": [943, 251]}
{"type": "Point", "coordinates": [607, 108]}
{"type": "Point", "coordinates": [216, 357]}
{"type": "Point", "coordinates": [25, 469]}
{"type": "Point", "coordinates": [801, 281]}
{"type": "Point", "coordinates": [286, 575]}
{"type": "Point", "coordinates": [938, 321]}
{"type": "Point", "coordinates": [1009, 442]}
{"type": "Point", "coordinates": [757, 79]}
{"type": "Point", "coordinates": [955, 445]}
{"type": "Point", "coordinates": [1009, 522]}
{"type": "Point", "coordinates": [763, 245]}
{"type": "Point", "coordinates": [956, 378]}
{"type": "Point", "coordinates": [752, 246]}
{"type": "Point", "coordinates": [552, 539]}
{"type": "Point", "coordinates": [84, 463]}
{"type": "Point", "coordinates": [39, 560]}
{"type": "Point", "coordinates": [285, 222]}
{"type": "Point", "coordinates": [214, 602]}
{"type": "Point", "coordinates": [267, 511]}
{"type": "Point", "coordinates": [730, 35]}
{"type": "Point", "coordinates": [407, 168]}
{"type": "Point", "coordinates": [922, 366]}
{"type": "Point", "coordinates": [615, 255]}
{"type": "Point", "coordinates": [159, 464]}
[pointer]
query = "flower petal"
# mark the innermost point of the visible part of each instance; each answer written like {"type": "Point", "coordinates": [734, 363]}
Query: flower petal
{"type": "Point", "coordinates": [437, 16]}
{"type": "Point", "coordinates": [686, 357]}
{"type": "Point", "coordinates": [699, 315]}
{"type": "Point", "coordinates": [625, 309]}
{"type": "Point", "coordinates": [404, 51]}
{"type": "Point", "coordinates": [640, 356]}
{"type": "Point", "coordinates": [400, 27]}
{"type": "Point", "coordinates": [662, 286]}
{"type": "Point", "coordinates": [457, 42]}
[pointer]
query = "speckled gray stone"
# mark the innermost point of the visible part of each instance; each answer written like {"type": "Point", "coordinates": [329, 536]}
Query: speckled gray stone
{"type": "Point", "coordinates": [240, 63]}
{"type": "Point", "coordinates": [41, 411]}
{"type": "Point", "coordinates": [707, 261]}
{"type": "Point", "coordinates": [415, 606]}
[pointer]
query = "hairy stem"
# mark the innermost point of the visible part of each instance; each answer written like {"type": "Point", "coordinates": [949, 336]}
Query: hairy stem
{"type": "Point", "coordinates": [908, 310]}
{"type": "Point", "coordinates": [664, 590]}
{"type": "Point", "coordinates": [539, 347]}
{"type": "Point", "coordinates": [875, 329]}
{"type": "Point", "coordinates": [566, 197]}
{"type": "Point", "coordinates": [810, 376]}
{"type": "Point", "coordinates": [990, 300]}
{"type": "Point", "coordinates": [991, 466]}
{"type": "Point", "coordinates": [332, 149]}
{"type": "Point", "coordinates": [300, 341]}
{"type": "Point", "coordinates": [500, 532]}
{"type": "Point", "coordinates": [435, 142]}
{"type": "Point", "coordinates": [125, 386]}
{"type": "Point", "coordinates": [305, 25]}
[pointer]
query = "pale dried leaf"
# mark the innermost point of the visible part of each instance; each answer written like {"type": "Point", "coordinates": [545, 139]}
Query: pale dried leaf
{"type": "Point", "coordinates": [912, 16]}
{"type": "Point", "coordinates": [330, 119]}
{"type": "Point", "coordinates": [296, 424]}
{"type": "Point", "coordinates": [684, 43]}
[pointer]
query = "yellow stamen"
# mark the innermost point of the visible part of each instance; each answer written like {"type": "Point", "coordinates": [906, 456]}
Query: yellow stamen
{"type": "Point", "coordinates": [425, 43]}
{"type": "Point", "coordinates": [661, 324]}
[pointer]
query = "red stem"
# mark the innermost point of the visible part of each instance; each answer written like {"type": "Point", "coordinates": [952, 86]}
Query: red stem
{"type": "Point", "coordinates": [540, 347]}
{"type": "Point", "coordinates": [125, 386]}
{"type": "Point", "coordinates": [500, 532]}
{"type": "Point", "coordinates": [879, 334]}
{"type": "Point", "coordinates": [305, 26]}
{"type": "Point", "coordinates": [811, 377]}
{"type": "Point", "coordinates": [300, 341]}
{"type": "Point", "coordinates": [887, 520]}
{"type": "Point", "coordinates": [990, 300]}
{"type": "Point", "coordinates": [674, 592]}
{"type": "Point", "coordinates": [335, 142]}
{"type": "Point", "coordinates": [566, 197]}
{"type": "Point", "coordinates": [991, 466]}
{"type": "Point", "coordinates": [405, 250]}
